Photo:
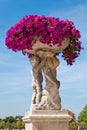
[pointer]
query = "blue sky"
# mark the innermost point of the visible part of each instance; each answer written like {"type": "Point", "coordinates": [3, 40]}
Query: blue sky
{"type": "Point", "coordinates": [15, 70]}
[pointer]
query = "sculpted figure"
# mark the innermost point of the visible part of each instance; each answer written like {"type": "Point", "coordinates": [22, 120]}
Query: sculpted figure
{"type": "Point", "coordinates": [50, 94]}
{"type": "Point", "coordinates": [52, 84]}
{"type": "Point", "coordinates": [44, 60]}
{"type": "Point", "coordinates": [37, 65]}
{"type": "Point", "coordinates": [50, 71]}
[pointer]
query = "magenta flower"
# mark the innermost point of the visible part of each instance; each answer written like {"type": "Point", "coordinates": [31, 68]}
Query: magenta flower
{"type": "Point", "coordinates": [49, 30]}
{"type": "Point", "coordinates": [73, 31]}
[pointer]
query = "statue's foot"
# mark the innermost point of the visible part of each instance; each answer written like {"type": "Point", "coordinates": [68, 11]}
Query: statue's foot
{"type": "Point", "coordinates": [45, 107]}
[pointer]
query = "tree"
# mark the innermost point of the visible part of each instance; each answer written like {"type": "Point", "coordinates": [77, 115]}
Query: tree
{"type": "Point", "coordinates": [20, 124]}
{"type": "Point", "coordinates": [2, 124]}
{"type": "Point", "coordinates": [73, 125]}
{"type": "Point", "coordinates": [10, 119]}
{"type": "Point", "coordinates": [10, 122]}
{"type": "Point", "coordinates": [82, 118]}
{"type": "Point", "coordinates": [83, 115]}
{"type": "Point", "coordinates": [9, 125]}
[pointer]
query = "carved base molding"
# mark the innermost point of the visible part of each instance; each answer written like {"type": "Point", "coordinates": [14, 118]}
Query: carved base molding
{"type": "Point", "coordinates": [47, 120]}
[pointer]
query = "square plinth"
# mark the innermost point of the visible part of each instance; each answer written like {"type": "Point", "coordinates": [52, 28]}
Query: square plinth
{"type": "Point", "coordinates": [47, 120]}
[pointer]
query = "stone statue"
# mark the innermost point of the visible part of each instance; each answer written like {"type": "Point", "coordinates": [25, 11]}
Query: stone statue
{"type": "Point", "coordinates": [47, 98]}
{"type": "Point", "coordinates": [45, 111]}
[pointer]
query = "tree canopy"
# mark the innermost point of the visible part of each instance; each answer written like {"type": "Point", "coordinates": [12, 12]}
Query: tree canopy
{"type": "Point", "coordinates": [83, 115]}
{"type": "Point", "coordinates": [11, 122]}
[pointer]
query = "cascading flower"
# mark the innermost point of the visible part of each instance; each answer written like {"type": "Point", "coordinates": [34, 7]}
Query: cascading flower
{"type": "Point", "coordinates": [49, 30]}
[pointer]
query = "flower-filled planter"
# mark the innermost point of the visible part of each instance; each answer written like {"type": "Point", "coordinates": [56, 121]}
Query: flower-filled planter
{"type": "Point", "coordinates": [34, 32]}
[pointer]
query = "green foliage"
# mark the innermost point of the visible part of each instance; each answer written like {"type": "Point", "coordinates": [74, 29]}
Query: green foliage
{"type": "Point", "coordinates": [2, 124]}
{"type": "Point", "coordinates": [83, 125]}
{"type": "Point", "coordinates": [83, 115]}
{"type": "Point", "coordinates": [82, 121]}
{"type": "Point", "coordinates": [73, 125]}
{"type": "Point", "coordinates": [20, 124]}
{"type": "Point", "coordinates": [10, 119]}
{"type": "Point", "coordinates": [11, 123]}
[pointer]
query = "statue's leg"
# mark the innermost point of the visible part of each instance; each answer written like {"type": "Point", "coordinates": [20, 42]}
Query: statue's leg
{"type": "Point", "coordinates": [39, 94]}
{"type": "Point", "coordinates": [34, 98]}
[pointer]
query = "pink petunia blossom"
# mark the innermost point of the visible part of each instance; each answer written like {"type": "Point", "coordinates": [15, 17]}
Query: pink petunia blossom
{"type": "Point", "coordinates": [73, 31]}
{"type": "Point", "coordinates": [49, 30]}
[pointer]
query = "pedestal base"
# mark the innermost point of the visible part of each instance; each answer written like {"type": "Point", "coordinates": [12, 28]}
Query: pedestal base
{"type": "Point", "coordinates": [47, 120]}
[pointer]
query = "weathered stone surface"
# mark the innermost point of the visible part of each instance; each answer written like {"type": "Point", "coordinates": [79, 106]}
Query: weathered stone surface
{"type": "Point", "coordinates": [53, 48]}
{"type": "Point", "coordinates": [45, 98]}
{"type": "Point", "coordinates": [47, 120]}
{"type": "Point", "coordinates": [44, 64]}
{"type": "Point", "coordinates": [45, 111]}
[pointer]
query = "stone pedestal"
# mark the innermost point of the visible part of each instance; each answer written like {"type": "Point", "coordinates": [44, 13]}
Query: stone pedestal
{"type": "Point", "coordinates": [47, 120]}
